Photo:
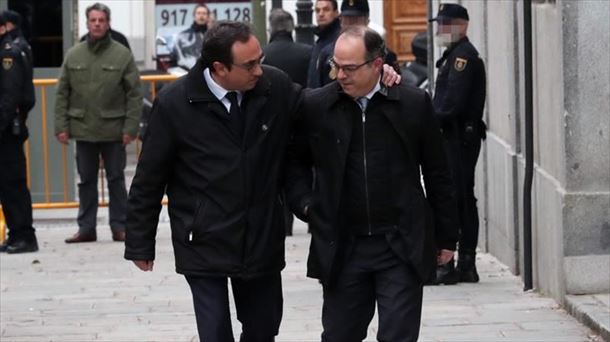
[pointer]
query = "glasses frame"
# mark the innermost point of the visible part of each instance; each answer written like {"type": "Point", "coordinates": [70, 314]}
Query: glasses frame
{"type": "Point", "coordinates": [349, 69]}
{"type": "Point", "coordinates": [250, 66]}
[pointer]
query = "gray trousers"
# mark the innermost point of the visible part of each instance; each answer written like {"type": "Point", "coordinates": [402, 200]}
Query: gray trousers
{"type": "Point", "coordinates": [87, 162]}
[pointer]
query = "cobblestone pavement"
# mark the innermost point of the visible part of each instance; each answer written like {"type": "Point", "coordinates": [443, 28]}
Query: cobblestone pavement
{"type": "Point", "coordinates": [88, 292]}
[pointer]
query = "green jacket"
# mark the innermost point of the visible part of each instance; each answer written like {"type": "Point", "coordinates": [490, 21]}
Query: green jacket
{"type": "Point", "coordinates": [98, 96]}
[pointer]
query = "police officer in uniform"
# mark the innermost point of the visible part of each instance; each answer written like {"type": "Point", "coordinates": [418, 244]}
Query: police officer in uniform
{"type": "Point", "coordinates": [15, 81]}
{"type": "Point", "coordinates": [459, 99]}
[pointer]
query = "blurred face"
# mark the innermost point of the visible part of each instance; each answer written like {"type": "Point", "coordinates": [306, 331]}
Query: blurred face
{"type": "Point", "coordinates": [450, 31]}
{"type": "Point", "coordinates": [2, 30]}
{"type": "Point", "coordinates": [356, 75]}
{"type": "Point", "coordinates": [201, 16]}
{"type": "Point", "coordinates": [348, 21]}
{"type": "Point", "coordinates": [245, 69]}
{"type": "Point", "coordinates": [97, 24]}
{"type": "Point", "coordinates": [325, 14]}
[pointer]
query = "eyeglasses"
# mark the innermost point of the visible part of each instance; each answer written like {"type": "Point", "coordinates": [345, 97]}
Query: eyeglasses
{"type": "Point", "coordinates": [348, 69]}
{"type": "Point", "coordinates": [250, 66]}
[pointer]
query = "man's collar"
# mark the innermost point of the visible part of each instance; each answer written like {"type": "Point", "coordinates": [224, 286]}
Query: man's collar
{"type": "Point", "coordinates": [375, 89]}
{"type": "Point", "coordinates": [328, 29]}
{"type": "Point", "coordinates": [215, 88]}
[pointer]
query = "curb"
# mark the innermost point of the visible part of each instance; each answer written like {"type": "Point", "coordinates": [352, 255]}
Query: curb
{"type": "Point", "coordinates": [590, 311]}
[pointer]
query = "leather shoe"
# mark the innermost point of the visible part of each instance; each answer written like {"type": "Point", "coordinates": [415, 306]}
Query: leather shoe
{"type": "Point", "coordinates": [22, 246]}
{"type": "Point", "coordinates": [78, 237]}
{"type": "Point", "coordinates": [4, 246]}
{"type": "Point", "coordinates": [446, 274]}
{"type": "Point", "coordinates": [118, 236]}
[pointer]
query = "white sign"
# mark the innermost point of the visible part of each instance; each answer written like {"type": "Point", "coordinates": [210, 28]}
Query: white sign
{"type": "Point", "coordinates": [181, 15]}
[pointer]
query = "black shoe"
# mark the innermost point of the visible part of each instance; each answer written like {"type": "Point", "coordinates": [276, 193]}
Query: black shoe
{"type": "Point", "coordinates": [446, 274]}
{"type": "Point", "coordinates": [466, 268]}
{"type": "Point", "coordinates": [23, 246]}
{"type": "Point", "coordinates": [4, 246]}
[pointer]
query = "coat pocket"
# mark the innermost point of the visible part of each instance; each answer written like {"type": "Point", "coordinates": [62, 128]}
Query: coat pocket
{"type": "Point", "coordinates": [76, 113]}
{"type": "Point", "coordinates": [111, 74]}
{"type": "Point", "coordinates": [78, 73]}
{"type": "Point", "coordinates": [111, 114]}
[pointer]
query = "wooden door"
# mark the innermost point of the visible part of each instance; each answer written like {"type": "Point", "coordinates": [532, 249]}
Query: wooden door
{"type": "Point", "coordinates": [403, 19]}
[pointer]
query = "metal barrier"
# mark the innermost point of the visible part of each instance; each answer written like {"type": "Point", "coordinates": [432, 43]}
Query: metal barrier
{"type": "Point", "coordinates": [47, 204]}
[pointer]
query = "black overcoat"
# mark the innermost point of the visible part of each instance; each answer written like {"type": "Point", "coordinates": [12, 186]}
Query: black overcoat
{"type": "Point", "coordinates": [320, 146]}
{"type": "Point", "coordinates": [225, 216]}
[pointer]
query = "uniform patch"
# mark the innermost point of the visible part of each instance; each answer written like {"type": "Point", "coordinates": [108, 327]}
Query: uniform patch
{"type": "Point", "coordinates": [460, 64]}
{"type": "Point", "coordinates": [7, 63]}
{"type": "Point", "coordinates": [7, 46]}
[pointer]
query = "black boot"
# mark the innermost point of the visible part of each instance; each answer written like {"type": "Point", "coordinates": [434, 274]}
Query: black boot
{"type": "Point", "coordinates": [446, 274]}
{"type": "Point", "coordinates": [23, 246]}
{"type": "Point", "coordinates": [466, 268]}
{"type": "Point", "coordinates": [4, 245]}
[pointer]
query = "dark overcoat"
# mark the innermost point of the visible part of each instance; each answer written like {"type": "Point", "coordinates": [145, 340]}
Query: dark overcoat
{"type": "Point", "coordinates": [320, 146]}
{"type": "Point", "coordinates": [225, 216]}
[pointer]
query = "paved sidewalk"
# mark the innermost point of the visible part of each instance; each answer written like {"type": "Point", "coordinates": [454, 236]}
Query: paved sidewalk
{"type": "Point", "coordinates": [88, 292]}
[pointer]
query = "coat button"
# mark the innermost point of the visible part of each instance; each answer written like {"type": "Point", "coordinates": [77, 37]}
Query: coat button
{"type": "Point", "coordinates": [338, 141]}
{"type": "Point", "coordinates": [264, 128]}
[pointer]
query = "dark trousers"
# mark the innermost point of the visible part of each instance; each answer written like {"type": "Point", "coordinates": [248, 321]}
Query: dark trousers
{"type": "Point", "coordinates": [373, 273]}
{"type": "Point", "coordinates": [87, 162]}
{"type": "Point", "coordinates": [463, 158]}
{"type": "Point", "coordinates": [14, 194]}
{"type": "Point", "coordinates": [258, 302]}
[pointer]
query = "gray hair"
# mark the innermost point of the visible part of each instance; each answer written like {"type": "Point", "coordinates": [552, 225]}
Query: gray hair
{"type": "Point", "coordinates": [98, 7]}
{"type": "Point", "coordinates": [280, 20]}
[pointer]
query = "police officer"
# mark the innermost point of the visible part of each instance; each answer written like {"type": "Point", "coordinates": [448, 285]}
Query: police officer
{"type": "Point", "coordinates": [458, 101]}
{"type": "Point", "coordinates": [13, 30]}
{"type": "Point", "coordinates": [15, 81]}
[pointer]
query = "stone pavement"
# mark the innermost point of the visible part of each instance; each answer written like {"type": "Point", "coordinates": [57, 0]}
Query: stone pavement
{"type": "Point", "coordinates": [88, 292]}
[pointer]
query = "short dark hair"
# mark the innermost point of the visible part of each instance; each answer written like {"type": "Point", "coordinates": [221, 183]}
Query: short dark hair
{"type": "Point", "coordinates": [373, 42]}
{"type": "Point", "coordinates": [334, 3]}
{"type": "Point", "coordinates": [200, 6]}
{"type": "Point", "coordinates": [219, 40]}
{"type": "Point", "coordinates": [280, 20]}
{"type": "Point", "coordinates": [98, 7]}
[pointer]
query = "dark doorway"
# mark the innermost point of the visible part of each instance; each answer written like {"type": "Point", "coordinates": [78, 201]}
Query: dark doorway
{"type": "Point", "coordinates": [42, 27]}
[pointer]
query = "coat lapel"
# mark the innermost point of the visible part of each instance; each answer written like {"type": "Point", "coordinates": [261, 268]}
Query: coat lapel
{"type": "Point", "coordinates": [398, 121]}
{"type": "Point", "coordinates": [199, 95]}
{"type": "Point", "coordinates": [257, 120]}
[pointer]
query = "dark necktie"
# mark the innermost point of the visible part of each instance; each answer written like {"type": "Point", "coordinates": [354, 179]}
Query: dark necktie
{"type": "Point", "coordinates": [235, 113]}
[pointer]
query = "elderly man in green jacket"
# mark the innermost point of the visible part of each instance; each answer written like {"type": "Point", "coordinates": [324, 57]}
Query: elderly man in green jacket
{"type": "Point", "coordinates": [98, 103]}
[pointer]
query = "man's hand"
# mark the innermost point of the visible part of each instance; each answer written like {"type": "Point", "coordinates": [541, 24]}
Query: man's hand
{"type": "Point", "coordinates": [443, 256]}
{"type": "Point", "coordinates": [127, 139]}
{"type": "Point", "coordinates": [389, 76]}
{"type": "Point", "coordinates": [63, 137]}
{"type": "Point", "coordinates": [144, 265]}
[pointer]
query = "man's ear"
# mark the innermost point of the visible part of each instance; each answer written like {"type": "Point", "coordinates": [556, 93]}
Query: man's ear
{"type": "Point", "coordinates": [378, 63]}
{"type": "Point", "coordinates": [220, 69]}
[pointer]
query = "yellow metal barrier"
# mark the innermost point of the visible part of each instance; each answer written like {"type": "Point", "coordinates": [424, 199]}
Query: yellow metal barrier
{"type": "Point", "coordinates": [47, 204]}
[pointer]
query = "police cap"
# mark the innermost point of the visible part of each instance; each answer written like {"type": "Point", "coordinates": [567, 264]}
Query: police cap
{"type": "Point", "coordinates": [13, 17]}
{"type": "Point", "coordinates": [451, 11]}
{"type": "Point", "coordinates": [2, 19]}
{"type": "Point", "coordinates": [355, 8]}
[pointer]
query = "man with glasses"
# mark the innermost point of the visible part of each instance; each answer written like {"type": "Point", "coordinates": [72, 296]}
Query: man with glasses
{"type": "Point", "coordinates": [376, 234]}
{"type": "Point", "coordinates": [215, 144]}
{"type": "Point", "coordinates": [354, 13]}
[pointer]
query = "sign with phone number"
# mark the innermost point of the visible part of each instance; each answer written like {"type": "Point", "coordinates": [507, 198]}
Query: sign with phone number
{"type": "Point", "coordinates": [178, 15]}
